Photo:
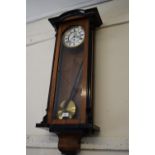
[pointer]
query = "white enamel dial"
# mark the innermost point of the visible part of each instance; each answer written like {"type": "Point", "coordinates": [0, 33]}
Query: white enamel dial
{"type": "Point", "coordinates": [74, 36]}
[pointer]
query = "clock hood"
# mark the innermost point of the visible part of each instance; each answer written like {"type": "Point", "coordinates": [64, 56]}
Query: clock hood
{"type": "Point", "coordinates": [92, 14]}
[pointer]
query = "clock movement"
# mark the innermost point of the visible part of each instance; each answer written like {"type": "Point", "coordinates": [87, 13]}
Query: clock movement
{"type": "Point", "coordinates": [70, 100]}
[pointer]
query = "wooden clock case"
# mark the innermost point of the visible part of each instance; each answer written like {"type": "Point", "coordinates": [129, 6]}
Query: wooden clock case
{"type": "Point", "coordinates": [71, 131]}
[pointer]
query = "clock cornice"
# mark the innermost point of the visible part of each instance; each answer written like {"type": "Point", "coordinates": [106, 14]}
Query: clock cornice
{"type": "Point", "coordinates": [92, 14]}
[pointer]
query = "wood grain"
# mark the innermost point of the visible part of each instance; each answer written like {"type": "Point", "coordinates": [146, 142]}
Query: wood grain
{"type": "Point", "coordinates": [85, 24]}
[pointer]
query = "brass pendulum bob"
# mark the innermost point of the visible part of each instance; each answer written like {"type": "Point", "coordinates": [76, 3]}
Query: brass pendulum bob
{"type": "Point", "coordinates": [68, 111]}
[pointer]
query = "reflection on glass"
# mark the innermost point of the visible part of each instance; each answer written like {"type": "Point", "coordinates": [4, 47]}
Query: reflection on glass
{"type": "Point", "coordinates": [69, 80]}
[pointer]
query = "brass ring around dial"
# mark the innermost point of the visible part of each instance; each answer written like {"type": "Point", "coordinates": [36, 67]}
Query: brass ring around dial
{"type": "Point", "coordinates": [68, 111]}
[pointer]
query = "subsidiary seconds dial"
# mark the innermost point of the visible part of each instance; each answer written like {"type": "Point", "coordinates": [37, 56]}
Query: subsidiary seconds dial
{"type": "Point", "coordinates": [74, 36]}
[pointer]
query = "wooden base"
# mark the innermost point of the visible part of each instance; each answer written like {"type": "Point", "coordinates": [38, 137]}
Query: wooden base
{"type": "Point", "coordinates": [69, 143]}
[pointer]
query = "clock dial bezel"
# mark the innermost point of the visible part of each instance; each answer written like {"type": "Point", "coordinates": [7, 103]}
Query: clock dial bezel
{"type": "Point", "coordinates": [70, 32]}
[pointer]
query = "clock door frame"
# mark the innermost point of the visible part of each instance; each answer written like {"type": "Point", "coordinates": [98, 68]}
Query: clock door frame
{"type": "Point", "coordinates": [84, 22]}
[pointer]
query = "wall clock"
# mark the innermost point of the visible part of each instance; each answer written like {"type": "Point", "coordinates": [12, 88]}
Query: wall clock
{"type": "Point", "coordinates": [70, 101]}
